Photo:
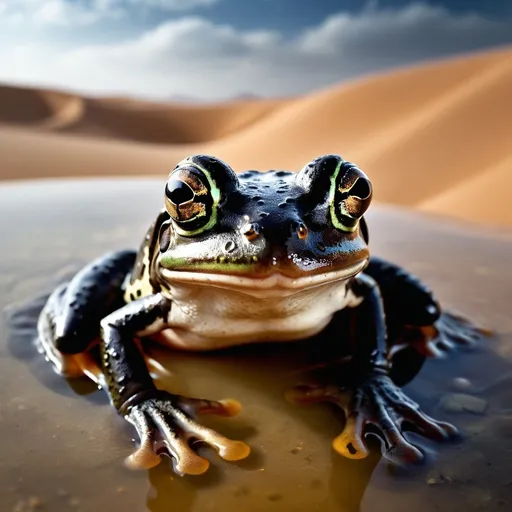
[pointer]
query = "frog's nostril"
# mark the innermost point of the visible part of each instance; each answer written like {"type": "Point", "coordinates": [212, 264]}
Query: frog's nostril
{"type": "Point", "coordinates": [302, 232]}
{"type": "Point", "coordinates": [230, 246]}
{"type": "Point", "coordinates": [251, 231]}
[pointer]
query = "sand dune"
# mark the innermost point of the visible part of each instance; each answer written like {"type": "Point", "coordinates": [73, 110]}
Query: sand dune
{"type": "Point", "coordinates": [436, 136]}
{"type": "Point", "coordinates": [486, 196]}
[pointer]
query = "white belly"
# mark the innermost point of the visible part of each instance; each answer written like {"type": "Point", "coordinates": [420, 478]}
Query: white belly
{"type": "Point", "coordinates": [209, 317]}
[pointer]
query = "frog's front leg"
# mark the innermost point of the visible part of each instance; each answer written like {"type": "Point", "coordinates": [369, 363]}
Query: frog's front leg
{"type": "Point", "coordinates": [369, 397]}
{"type": "Point", "coordinates": [164, 421]}
{"type": "Point", "coordinates": [69, 323]}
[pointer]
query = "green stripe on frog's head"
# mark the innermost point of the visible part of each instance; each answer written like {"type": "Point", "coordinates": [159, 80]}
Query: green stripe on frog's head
{"type": "Point", "coordinates": [194, 190]}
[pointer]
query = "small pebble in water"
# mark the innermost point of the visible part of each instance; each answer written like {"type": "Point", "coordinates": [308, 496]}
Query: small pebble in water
{"type": "Point", "coordinates": [461, 402]}
{"type": "Point", "coordinates": [461, 383]}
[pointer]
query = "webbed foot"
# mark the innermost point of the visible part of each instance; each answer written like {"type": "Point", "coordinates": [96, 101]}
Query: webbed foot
{"type": "Point", "coordinates": [449, 332]}
{"type": "Point", "coordinates": [377, 402]}
{"type": "Point", "coordinates": [165, 425]}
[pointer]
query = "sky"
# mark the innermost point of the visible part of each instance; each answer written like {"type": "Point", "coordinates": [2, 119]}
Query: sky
{"type": "Point", "coordinates": [210, 50]}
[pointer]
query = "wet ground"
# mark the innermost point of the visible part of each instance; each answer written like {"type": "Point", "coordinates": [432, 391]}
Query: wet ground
{"type": "Point", "coordinates": [62, 447]}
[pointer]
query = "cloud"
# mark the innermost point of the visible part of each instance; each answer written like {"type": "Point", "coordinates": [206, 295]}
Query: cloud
{"type": "Point", "coordinates": [194, 57]}
{"type": "Point", "coordinates": [86, 12]}
{"type": "Point", "coordinates": [179, 5]}
{"type": "Point", "coordinates": [59, 12]}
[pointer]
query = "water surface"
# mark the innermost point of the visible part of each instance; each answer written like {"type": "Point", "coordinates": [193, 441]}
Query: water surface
{"type": "Point", "coordinates": [63, 446]}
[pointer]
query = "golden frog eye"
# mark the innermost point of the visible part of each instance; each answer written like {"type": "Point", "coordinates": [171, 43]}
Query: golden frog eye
{"type": "Point", "coordinates": [189, 201]}
{"type": "Point", "coordinates": [339, 186]}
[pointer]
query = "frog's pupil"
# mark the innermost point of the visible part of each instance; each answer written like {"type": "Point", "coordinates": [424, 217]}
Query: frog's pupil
{"type": "Point", "coordinates": [361, 189]}
{"type": "Point", "coordinates": [179, 192]}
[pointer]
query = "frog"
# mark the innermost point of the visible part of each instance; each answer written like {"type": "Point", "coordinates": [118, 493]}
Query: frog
{"type": "Point", "coordinates": [253, 257]}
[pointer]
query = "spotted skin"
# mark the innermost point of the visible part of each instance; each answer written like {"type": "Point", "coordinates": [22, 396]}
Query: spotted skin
{"type": "Point", "coordinates": [280, 252]}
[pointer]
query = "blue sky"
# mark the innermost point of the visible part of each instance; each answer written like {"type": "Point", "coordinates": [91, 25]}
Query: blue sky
{"type": "Point", "coordinates": [217, 49]}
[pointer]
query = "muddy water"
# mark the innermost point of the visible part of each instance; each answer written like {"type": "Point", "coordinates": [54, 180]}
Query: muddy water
{"type": "Point", "coordinates": [62, 447]}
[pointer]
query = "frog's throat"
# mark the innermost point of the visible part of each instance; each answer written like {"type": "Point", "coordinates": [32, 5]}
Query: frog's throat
{"type": "Point", "coordinates": [275, 281]}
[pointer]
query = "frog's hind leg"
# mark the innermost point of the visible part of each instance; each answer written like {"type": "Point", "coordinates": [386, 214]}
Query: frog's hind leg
{"type": "Point", "coordinates": [414, 316]}
{"type": "Point", "coordinates": [69, 323]}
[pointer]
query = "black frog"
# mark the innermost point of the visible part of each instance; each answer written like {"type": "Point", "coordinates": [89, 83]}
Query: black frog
{"type": "Point", "coordinates": [251, 257]}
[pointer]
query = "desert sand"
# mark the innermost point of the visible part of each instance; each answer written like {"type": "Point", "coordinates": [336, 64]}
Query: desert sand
{"type": "Point", "coordinates": [437, 137]}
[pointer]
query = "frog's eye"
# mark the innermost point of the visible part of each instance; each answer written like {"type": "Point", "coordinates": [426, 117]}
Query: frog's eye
{"type": "Point", "coordinates": [350, 198]}
{"type": "Point", "coordinates": [342, 187]}
{"type": "Point", "coordinates": [189, 200]}
{"type": "Point", "coordinates": [194, 190]}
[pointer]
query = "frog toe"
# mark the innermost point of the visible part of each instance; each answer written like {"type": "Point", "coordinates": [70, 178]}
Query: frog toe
{"type": "Point", "coordinates": [227, 407]}
{"type": "Point", "coordinates": [228, 449]}
{"type": "Point", "coordinates": [396, 448]}
{"type": "Point", "coordinates": [145, 456]}
{"type": "Point", "coordinates": [165, 426]}
{"type": "Point", "coordinates": [350, 443]}
{"type": "Point", "coordinates": [419, 422]}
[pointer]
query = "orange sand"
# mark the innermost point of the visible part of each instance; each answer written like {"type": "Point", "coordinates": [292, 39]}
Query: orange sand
{"type": "Point", "coordinates": [437, 136]}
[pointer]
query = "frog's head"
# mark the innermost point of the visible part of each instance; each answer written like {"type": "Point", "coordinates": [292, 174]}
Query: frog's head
{"type": "Point", "coordinates": [264, 231]}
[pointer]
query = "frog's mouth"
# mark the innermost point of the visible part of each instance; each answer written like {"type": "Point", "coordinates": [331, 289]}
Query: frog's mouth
{"type": "Point", "coordinates": [274, 284]}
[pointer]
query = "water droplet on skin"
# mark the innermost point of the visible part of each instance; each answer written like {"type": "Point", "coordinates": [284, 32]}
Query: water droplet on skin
{"type": "Point", "coordinates": [320, 246]}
